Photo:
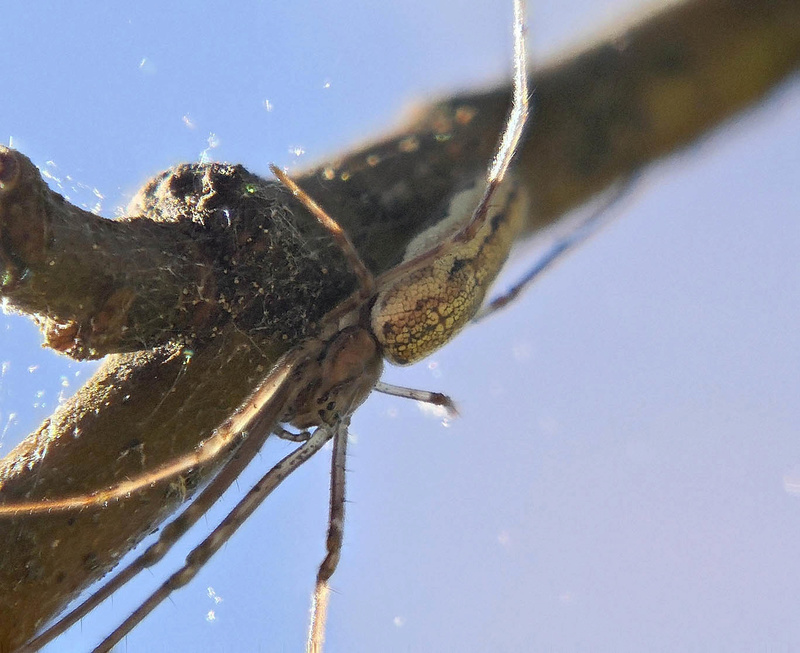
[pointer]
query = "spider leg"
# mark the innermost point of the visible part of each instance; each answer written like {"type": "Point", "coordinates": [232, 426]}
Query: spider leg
{"type": "Point", "coordinates": [515, 126]}
{"type": "Point", "coordinates": [272, 400]}
{"type": "Point", "coordinates": [285, 434]}
{"type": "Point", "coordinates": [425, 396]}
{"type": "Point", "coordinates": [587, 228]}
{"type": "Point", "coordinates": [333, 543]}
{"type": "Point", "coordinates": [221, 534]}
{"type": "Point", "coordinates": [366, 280]}
{"type": "Point", "coordinates": [169, 536]}
{"type": "Point", "coordinates": [221, 442]}
{"type": "Point", "coordinates": [509, 143]}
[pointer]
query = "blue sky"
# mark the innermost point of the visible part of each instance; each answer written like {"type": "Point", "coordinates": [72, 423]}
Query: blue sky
{"type": "Point", "coordinates": [625, 475]}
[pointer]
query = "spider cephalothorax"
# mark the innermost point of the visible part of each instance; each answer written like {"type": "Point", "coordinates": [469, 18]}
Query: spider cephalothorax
{"type": "Point", "coordinates": [337, 380]}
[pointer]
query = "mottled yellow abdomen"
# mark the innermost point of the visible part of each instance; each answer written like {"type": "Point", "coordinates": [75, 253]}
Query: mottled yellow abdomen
{"type": "Point", "coordinates": [420, 312]}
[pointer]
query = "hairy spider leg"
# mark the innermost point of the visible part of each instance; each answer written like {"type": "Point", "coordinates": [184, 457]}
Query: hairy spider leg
{"type": "Point", "coordinates": [509, 143]}
{"type": "Point", "coordinates": [333, 542]}
{"type": "Point", "coordinates": [285, 434]}
{"type": "Point", "coordinates": [585, 230]}
{"type": "Point", "coordinates": [222, 441]}
{"type": "Point", "coordinates": [366, 280]}
{"type": "Point", "coordinates": [425, 396]}
{"type": "Point", "coordinates": [222, 533]}
{"type": "Point", "coordinates": [266, 405]}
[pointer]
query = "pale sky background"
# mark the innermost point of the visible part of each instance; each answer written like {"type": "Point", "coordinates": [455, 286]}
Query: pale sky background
{"type": "Point", "coordinates": [625, 474]}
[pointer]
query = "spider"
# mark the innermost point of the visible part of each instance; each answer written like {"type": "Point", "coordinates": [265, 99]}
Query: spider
{"type": "Point", "coordinates": [402, 316]}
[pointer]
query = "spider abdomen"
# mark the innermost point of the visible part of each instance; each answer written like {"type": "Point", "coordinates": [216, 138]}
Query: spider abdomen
{"type": "Point", "coordinates": [424, 309]}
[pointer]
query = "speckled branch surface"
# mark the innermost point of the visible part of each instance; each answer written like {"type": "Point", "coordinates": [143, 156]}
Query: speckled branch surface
{"type": "Point", "coordinates": [216, 272]}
